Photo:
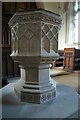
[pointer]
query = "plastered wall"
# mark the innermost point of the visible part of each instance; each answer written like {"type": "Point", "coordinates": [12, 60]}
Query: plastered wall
{"type": "Point", "coordinates": [65, 38]}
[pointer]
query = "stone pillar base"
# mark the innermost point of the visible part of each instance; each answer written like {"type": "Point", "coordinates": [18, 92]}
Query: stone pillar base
{"type": "Point", "coordinates": [35, 86]}
{"type": "Point", "coordinates": [34, 95]}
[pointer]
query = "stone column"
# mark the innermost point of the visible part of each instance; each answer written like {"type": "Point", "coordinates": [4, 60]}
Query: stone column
{"type": "Point", "coordinates": [32, 32]}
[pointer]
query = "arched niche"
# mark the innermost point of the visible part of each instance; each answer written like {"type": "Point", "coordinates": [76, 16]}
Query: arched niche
{"type": "Point", "coordinates": [46, 44]}
{"type": "Point", "coordinates": [23, 45]}
{"type": "Point", "coordinates": [13, 33]}
{"type": "Point", "coordinates": [54, 44]}
{"type": "Point", "coordinates": [33, 45]}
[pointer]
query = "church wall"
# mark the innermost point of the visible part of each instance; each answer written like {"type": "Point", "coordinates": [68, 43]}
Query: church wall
{"type": "Point", "coordinates": [65, 37]}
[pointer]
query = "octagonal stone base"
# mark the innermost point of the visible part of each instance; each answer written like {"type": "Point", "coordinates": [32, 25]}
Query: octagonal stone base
{"type": "Point", "coordinates": [35, 85]}
{"type": "Point", "coordinates": [35, 97]}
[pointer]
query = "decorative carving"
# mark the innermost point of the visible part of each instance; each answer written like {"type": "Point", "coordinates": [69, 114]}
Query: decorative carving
{"type": "Point", "coordinates": [46, 44]}
{"type": "Point", "coordinates": [14, 31]}
{"type": "Point", "coordinates": [36, 16]}
{"type": "Point", "coordinates": [49, 96]}
{"type": "Point", "coordinates": [28, 38]}
{"type": "Point", "coordinates": [32, 34]}
{"type": "Point", "coordinates": [49, 36]}
{"type": "Point", "coordinates": [43, 98]}
{"type": "Point", "coordinates": [53, 44]}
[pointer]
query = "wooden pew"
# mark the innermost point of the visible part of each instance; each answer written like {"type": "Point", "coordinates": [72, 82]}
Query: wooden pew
{"type": "Point", "coordinates": [71, 59]}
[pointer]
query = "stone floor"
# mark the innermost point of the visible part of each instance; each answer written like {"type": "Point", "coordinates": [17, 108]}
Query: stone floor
{"type": "Point", "coordinates": [65, 105]}
{"type": "Point", "coordinates": [11, 103]}
{"type": "Point", "coordinates": [70, 79]}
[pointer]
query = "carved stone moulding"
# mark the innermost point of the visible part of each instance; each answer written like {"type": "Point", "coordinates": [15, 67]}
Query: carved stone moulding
{"type": "Point", "coordinates": [37, 15]}
{"type": "Point", "coordinates": [34, 46]}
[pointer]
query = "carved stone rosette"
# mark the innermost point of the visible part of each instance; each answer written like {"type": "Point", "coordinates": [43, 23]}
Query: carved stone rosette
{"type": "Point", "coordinates": [34, 45]}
